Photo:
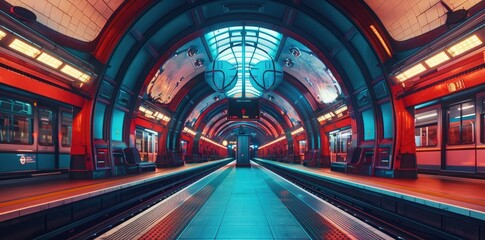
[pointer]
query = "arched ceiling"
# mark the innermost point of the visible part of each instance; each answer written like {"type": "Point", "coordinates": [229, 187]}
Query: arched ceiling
{"type": "Point", "coordinates": [193, 58]}
{"type": "Point", "coordinates": [305, 67]}
{"type": "Point", "coordinates": [150, 58]}
{"type": "Point", "coordinates": [85, 19]}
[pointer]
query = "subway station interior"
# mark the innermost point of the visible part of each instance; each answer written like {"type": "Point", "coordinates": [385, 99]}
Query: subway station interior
{"type": "Point", "coordinates": [234, 119]}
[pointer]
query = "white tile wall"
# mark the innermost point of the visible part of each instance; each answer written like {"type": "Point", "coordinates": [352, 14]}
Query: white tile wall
{"type": "Point", "coordinates": [411, 18]}
{"type": "Point", "coordinates": [80, 19]}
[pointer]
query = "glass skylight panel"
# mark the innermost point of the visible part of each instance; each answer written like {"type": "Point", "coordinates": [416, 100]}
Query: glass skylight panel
{"type": "Point", "coordinates": [260, 45]}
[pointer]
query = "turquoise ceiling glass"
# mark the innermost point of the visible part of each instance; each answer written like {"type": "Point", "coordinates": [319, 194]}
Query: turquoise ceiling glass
{"type": "Point", "coordinates": [243, 47]}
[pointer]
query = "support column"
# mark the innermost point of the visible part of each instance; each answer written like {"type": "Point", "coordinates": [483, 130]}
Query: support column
{"type": "Point", "coordinates": [242, 150]}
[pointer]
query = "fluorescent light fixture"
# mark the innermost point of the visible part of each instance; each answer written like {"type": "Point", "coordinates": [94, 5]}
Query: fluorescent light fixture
{"type": "Point", "coordinates": [466, 107]}
{"type": "Point", "coordinates": [321, 118]}
{"type": "Point", "coordinates": [427, 116]}
{"type": "Point", "coordinates": [211, 141]}
{"type": "Point", "coordinates": [148, 113]}
{"type": "Point", "coordinates": [334, 131]}
{"type": "Point", "coordinates": [159, 115]}
{"type": "Point", "coordinates": [464, 45]}
{"type": "Point", "coordinates": [437, 59]}
{"type": "Point", "coordinates": [142, 109]}
{"type": "Point", "coordinates": [383, 43]}
{"type": "Point", "coordinates": [2, 34]}
{"type": "Point", "coordinates": [411, 72]}
{"type": "Point", "coordinates": [273, 142]}
{"type": "Point", "coordinates": [75, 73]}
{"type": "Point", "coordinates": [189, 131]}
{"type": "Point", "coordinates": [299, 130]}
{"type": "Point", "coordinates": [49, 60]}
{"type": "Point", "coordinates": [466, 115]}
{"type": "Point", "coordinates": [151, 131]}
{"type": "Point", "coordinates": [24, 48]}
{"type": "Point", "coordinates": [328, 115]}
{"type": "Point", "coordinates": [341, 110]}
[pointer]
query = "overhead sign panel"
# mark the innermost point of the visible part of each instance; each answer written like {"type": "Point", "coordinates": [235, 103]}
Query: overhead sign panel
{"type": "Point", "coordinates": [243, 109]}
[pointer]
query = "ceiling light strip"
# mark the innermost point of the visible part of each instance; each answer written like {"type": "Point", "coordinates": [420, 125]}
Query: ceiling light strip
{"type": "Point", "coordinates": [441, 57]}
{"type": "Point", "coordinates": [49, 60]}
{"type": "Point", "coordinates": [273, 142]}
{"type": "Point", "coordinates": [17, 43]}
{"type": "Point", "coordinates": [2, 34]}
{"type": "Point", "coordinates": [24, 48]}
{"type": "Point", "coordinates": [383, 43]}
{"type": "Point", "coordinates": [437, 59]}
{"type": "Point", "coordinates": [465, 45]}
{"type": "Point", "coordinates": [411, 72]}
{"type": "Point", "coordinates": [211, 141]}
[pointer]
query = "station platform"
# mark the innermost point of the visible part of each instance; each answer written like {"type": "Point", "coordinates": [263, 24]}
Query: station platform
{"type": "Point", "coordinates": [243, 203]}
{"type": "Point", "coordinates": [30, 195]}
{"type": "Point", "coordinates": [459, 195]}
{"type": "Point", "coordinates": [247, 195]}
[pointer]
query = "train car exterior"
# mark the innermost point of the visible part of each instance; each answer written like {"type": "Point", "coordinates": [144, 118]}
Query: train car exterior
{"type": "Point", "coordinates": [450, 136]}
{"type": "Point", "coordinates": [35, 135]}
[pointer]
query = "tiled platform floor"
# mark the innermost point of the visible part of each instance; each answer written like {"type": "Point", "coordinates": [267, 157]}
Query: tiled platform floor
{"type": "Point", "coordinates": [243, 207]}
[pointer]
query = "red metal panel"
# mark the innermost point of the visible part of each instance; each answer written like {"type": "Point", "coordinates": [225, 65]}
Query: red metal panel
{"type": "Point", "coordinates": [28, 84]}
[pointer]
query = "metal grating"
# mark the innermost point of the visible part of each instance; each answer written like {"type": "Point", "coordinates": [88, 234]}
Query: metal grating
{"type": "Point", "coordinates": [167, 219]}
{"type": "Point", "coordinates": [174, 223]}
{"type": "Point", "coordinates": [316, 226]}
{"type": "Point", "coordinates": [337, 217]}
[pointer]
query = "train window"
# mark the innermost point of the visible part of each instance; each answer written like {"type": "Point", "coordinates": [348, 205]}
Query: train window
{"type": "Point", "coordinates": [15, 122]}
{"type": "Point", "coordinates": [46, 133]}
{"type": "Point", "coordinates": [482, 122]}
{"type": "Point", "coordinates": [66, 129]}
{"type": "Point", "coordinates": [461, 124]}
{"type": "Point", "coordinates": [426, 130]}
{"type": "Point", "coordinates": [340, 143]}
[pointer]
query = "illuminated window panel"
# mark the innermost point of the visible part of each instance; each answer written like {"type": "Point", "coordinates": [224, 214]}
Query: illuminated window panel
{"type": "Point", "coordinates": [437, 59]}
{"type": "Point", "coordinates": [2, 34]}
{"type": "Point", "coordinates": [49, 60]}
{"type": "Point", "coordinates": [24, 48]}
{"type": "Point", "coordinates": [341, 110]}
{"type": "Point", "coordinates": [73, 72]}
{"type": "Point", "coordinates": [464, 46]}
{"type": "Point", "coordinates": [411, 72]}
{"type": "Point", "coordinates": [260, 44]}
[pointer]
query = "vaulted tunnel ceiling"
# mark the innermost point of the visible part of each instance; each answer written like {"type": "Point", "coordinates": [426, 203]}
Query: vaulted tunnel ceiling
{"type": "Point", "coordinates": [85, 19]}
{"type": "Point", "coordinates": [334, 58]}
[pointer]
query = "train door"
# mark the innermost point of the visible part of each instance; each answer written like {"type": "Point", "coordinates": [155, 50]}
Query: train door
{"type": "Point", "coordinates": [47, 157]}
{"type": "Point", "coordinates": [147, 144]}
{"type": "Point", "coordinates": [302, 148]}
{"type": "Point", "coordinates": [460, 137]}
{"type": "Point", "coordinates": [183, 148]}
{"type": "Point", "coordinates": [17, 148]}
{"type": "Point", "coordinates": [427, 134]}
{"type": "Point", "coordinates": [340, 141]}
{"type": "Point", "coordinates": [65, 137]}
{"type": "Point", "coordinates": [481, 130]}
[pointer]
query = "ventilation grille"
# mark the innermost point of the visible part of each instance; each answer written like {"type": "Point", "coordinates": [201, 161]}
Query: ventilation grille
{"type": "Point", "coordinates": [124, 99]}
{"type": "Point", "coordinates": [243, 7]}
{"type": "Point", "coordinates": [380, 90]}
{"type": "Point", "coordinates": [106, 90]}
{"type": "Point", "coordinates": [23, 14]}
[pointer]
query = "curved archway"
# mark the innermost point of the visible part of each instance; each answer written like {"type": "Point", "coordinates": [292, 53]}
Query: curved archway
{"type": "Point", "coordinates": [332, 36]}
